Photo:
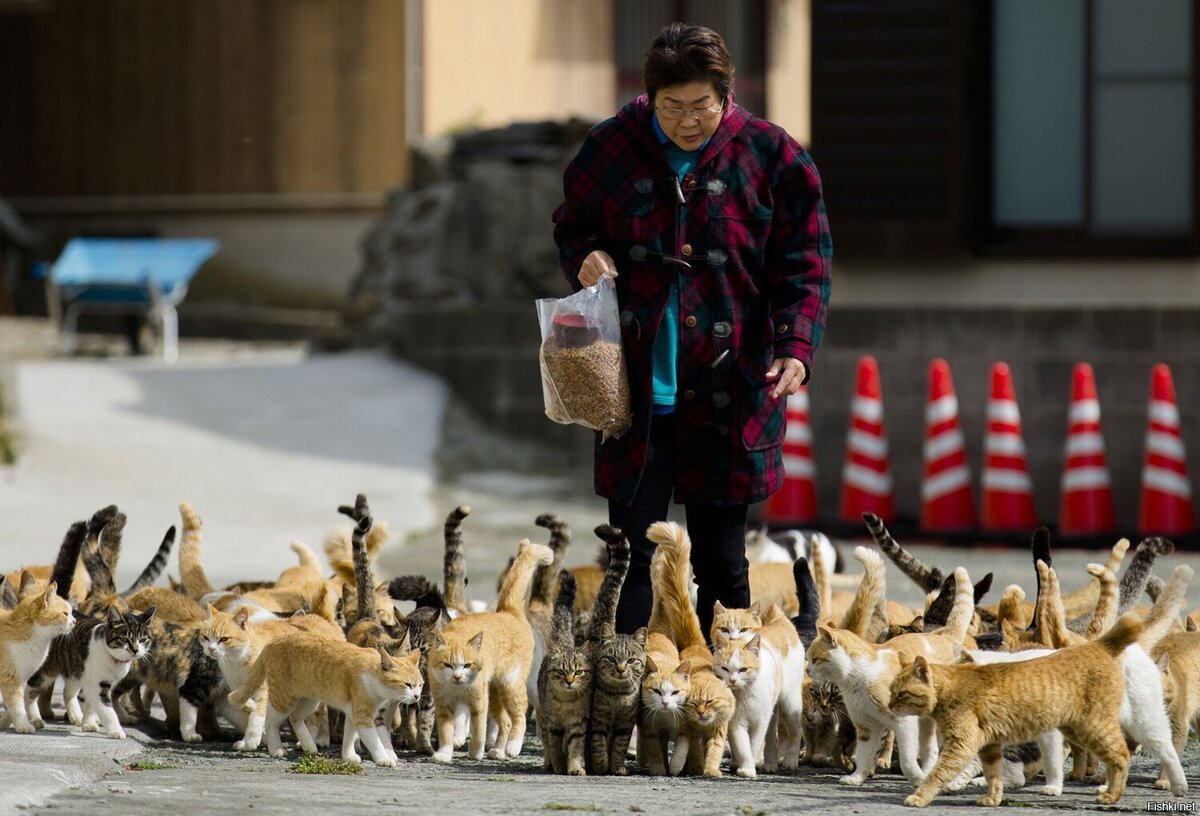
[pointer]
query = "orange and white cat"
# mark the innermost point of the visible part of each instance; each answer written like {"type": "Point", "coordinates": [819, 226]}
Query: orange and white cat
{"type": "Point", "coordinates": [25, 636]}
{"type": "Point", "coordinates": [479, 664]}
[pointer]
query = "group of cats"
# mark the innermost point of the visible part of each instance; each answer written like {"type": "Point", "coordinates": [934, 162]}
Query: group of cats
{"type": "Point", "coordinates": [806, 673]}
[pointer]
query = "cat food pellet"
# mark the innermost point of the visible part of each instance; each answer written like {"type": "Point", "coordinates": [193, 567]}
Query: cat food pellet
{"type": "Point", "coordinates": [586, 385]}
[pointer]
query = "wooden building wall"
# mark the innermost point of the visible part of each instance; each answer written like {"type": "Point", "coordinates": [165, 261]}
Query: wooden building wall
{"type": "Point", "coordinates": [200, 98]}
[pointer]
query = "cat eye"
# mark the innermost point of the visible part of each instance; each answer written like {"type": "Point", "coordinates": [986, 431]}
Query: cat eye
{"type": "Point", "coordinates": [447, 665]}
{"type": "Point", "coordinates": [467, 665]}
{"type": "Point", "coordinates": [223, 640]}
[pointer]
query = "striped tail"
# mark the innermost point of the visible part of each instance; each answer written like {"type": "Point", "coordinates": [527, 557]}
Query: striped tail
{"type": "Point", "coordinates": [454, 566]}
{"type": "Point", "coordinates": [926, 578]}
{"type": "Point", "coordinates": [157, 564]}
{"type": "Point", "coordinates": [68, 558]}
{"type": "Point", "coordinates": [604, 608]}
{"type": "Point", "coordinates": [560, 538]}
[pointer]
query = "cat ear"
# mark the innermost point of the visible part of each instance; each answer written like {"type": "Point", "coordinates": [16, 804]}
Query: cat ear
{"type": "Point", "coordinates": [917, 624]}
{"type": "Point", "coordinates": [148, 615]}
{"type": "Point", "coordinates": [1164, 663]}
{"type": "Point", "coordinates": [965, 657]}
{"type": "Point", "coordinates": [28, 582]}
{"type": "Point", "coordinates": [385, 660]}
{"type": "Point", "coordinates": [651, 666]}
{"type": "Point", "coordinates": [242, 616]}
{"type": "Point", "coordinates": [921, 669]}
{"type": "Point", "coordinates": [756, 609]}
{"type": "Point", "coordinates": [827, 633]}
{"type": "Point", "coordinates": [48, 595]}
{"type": "Point", "coordinates": [414, 657]}
{"type": "Point", "coordinates": [114, 616]}
{"type": "Point", "coordinates": [607, 631]}
{"type": "Point", "coordinates": [754, 645]}
{"type": "Point", "coordinates": [477, 641]}
{"type": "Point", "coordinates": [438, 640]}
{"type": "Point", "coordinates": [210, 611]}
{"type": "Point", "coordinates": [639, 636]}
{"type": "Point", "coordinates": [684, 668]}
{"type": "Point", "coordinates": [718, 608]}
{"type": "Point", "coordinates": [719, 639]}
{"type": "Point", "coordinates": [1190, 625]}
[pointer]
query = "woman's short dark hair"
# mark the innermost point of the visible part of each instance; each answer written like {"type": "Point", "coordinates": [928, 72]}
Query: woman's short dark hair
{"type": "Point", "coordinates": [683, 53]}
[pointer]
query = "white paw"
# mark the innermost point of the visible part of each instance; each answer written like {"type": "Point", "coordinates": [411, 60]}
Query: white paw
{"type": "Point", "coordinates": [90, 727]}
{"type": "Point", "coordinates": [850, 779]}
{"type": "Point", "coordinates": [38, 723]}
{"type": "Point", "coordinates": [386, 762]}
{"type": "Point", "coordinates": [747, 773]}
{"type": "Point", "coordinates": [118, 734]}
{"type": "Point", "coordinates": [1102, 788]}
{"type": "Point", "coordinates": [246, 745]}
{"type": "Point", "coordinates": [352, 757]}
{"type": "Point", "coordinates": [74, 717]}
{"type": "Point", "coordinates": [513, 750]}
{"type": "Point", "coordinates": [495, 753]}
{"type": "Point", "coordinates": [193, 738]}
{"type": "Point", "coordinates": [476, 755]}
{"type": "Point", "coordinates": [278, 753]}
{"type": "Point", "coordinates": [1046, 790]}
{"type": "Point", "coordinates": [24, 728]}
{"type": "Point", "coordinates": [444, 758]}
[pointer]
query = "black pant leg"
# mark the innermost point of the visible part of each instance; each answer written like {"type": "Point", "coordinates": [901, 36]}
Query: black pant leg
{"type": "Point", "coordinates": [651, 503]}
{"type": "Point", "coordinates": [718, 535]}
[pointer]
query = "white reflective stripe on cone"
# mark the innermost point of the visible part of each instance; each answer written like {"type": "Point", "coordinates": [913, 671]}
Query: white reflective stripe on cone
{"type": "Point", "coordinates": [1003, 444]}
{"type": "Point", "coordinates": [941, 409]}
{"type": "Point", "coordinates": [798, 432]}
{"type": "Point", "coordinates": [1085, 478]}
{"type": "Point", "coordinates": [1164, 413]}
{"type": "Point", "coordinates": [1085, 443]}
{"type": "Point", "coordinates": [867, 444]}
{"type": "Point", "coordinates": [947, 442]}
{"type": "Point", "coordinates": [1007, 481]}
{"type": "Point", "coordinates": [798, 466]}
{"type": "Point", "coordinates": [867, 409]}
{"type": "Point", "coordinates": [1166, 481]}
{"type": "Point", "coordinates": [1087, 410]}
{"type": "Point", "coordinates": [945, 483]}
{"type": "Point", "coordinates": [867, 480]}
{"type": "Point", "coordinates": [1165, 444]}
{"type": "Point", "coordinates": [1003, 411]}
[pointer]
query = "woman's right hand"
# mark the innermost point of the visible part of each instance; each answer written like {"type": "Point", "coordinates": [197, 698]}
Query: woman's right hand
{"type": "Point", "coordinates": [595, 266]}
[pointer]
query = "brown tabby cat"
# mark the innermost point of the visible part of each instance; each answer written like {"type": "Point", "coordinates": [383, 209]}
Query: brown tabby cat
{"type": "Point", "coordinates": [829, 735]}
{"type": "Point", "coordinates": [979, 708]}
{"type": "Point", "coordinates": [564, 688]}
{"type": "Point", "coordinates": [25, 636]}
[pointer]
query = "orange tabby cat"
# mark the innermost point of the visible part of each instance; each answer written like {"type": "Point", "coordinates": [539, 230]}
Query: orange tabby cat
{"type": "Point", "coordinates": [479, 664]}
{"type": "Point", "coordinates": [666, 682]}
{"type": "Point", "coordinates": [1178, 658]}
{"type": "Point", "coordinates": [980, 708]}
{"type": "Point", "coordinates": [25, 635]}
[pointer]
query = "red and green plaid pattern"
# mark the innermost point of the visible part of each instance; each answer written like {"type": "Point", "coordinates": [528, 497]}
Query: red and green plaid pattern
{"type": "Point", "coordinates": [755, 233]}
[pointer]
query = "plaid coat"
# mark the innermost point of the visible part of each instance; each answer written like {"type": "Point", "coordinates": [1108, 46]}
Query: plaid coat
{"type": "Point", "coordinates": [752, 230]}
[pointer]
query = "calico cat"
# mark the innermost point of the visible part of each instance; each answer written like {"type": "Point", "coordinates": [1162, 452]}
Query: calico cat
{"type": "Point", "coordinates": [864, 671]}
{"type": "Point", "coordinates": [564, 689]}
{"type": "Point", "coordinates": [303, 670]}
{"type": "Point", "coordinates": [618, 665]}
{"type": "Point", "coordinates": [709, 707]}
{"type": "Point", "coordinates": [93, 657]}
{"type": "Point", "coordinates": [479, 662]}
{"type": "Point", "coordinates": [829, 735]}
{"type": "Point", "coordinates": [979, 708]}
{"type": "Point", "coordinates": [765, 674]}
{"type": "Point", "coordinates": [25, 636]}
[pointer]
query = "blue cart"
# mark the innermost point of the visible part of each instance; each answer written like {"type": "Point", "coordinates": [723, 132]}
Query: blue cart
{"type": "Point", "coordinates": [147, 276]}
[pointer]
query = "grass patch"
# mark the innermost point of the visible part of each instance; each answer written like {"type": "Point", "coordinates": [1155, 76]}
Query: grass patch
{"type": "Point", "coordinates": [750, 810]}
{"type": "Point", "coordinates": [148, 765]}
{"type": "Point", "coordinates": [499, 779]}
{"type": "Point", "coordinates": [321, 765]}
{"type": "Point", "coordinates": [562, 806]}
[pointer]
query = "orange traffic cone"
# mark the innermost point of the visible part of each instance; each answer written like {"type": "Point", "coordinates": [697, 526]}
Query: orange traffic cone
{"type": "Point", "coordinates": [946, 503]}
{"type": "Point", "coordinates": [796, 502]}
{"type": "Point", "coordinates": [1007, 488]}
{"type": "Point", "coordinates": [1166, 507]}
{"type": "Point", "coordinates": [1087, 503]}
{"type": "Point", "coordinates": [866, 477]}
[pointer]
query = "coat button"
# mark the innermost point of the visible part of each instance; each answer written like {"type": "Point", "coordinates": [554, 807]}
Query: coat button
{"type": "Point", "coordinates": [686, 249]}
{"type": "Point", "coordinates": [721, 399]}
{"type": "Point", "coordinates": [722, 328]}
{"type": "Point", "coordinates": [690, 322]}
{"type": "Point", "coordinates": [783, 329]}
{"type": "Point", "coordinates": [592, 237]}
{"type": "Point", "coordinates": [689, 394]}
{"type": "Point", "coordinates": [691, 184]}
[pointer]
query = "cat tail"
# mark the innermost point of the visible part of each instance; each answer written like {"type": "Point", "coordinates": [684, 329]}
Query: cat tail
{"type": "Point", "coordinates": [514, 594]}
{"type": "Point", "coordinates": [820, 576]}
{"type": "Point", "coordinates": [307, 557]}
{"type": "Point", "coordinates": [97, 567]}
{"type": "Point", "coordinates": [255, 677]}
{"type": "Point", "coordinates": [928, 579]}
{"type": "Point", "coordinates": [1125, 631]}
{"type": "Point", "coordinates": [560, 539]}
{"type": "Point", "coordinates": [562, 627]}
{"type": "Point", "coordinates": [65, 564]}
{"type": "Point", "coordinates": [604, 608]}
{"type": "Point", "coordinates": [870, 595]}
{"type": "Point", "coordinates": [674, 615]}
{"type": "Point", "coordinates": [454, 567]}
{"type": "Point", "coordinates": [337, 550]}
{"type": "Point", "coordinates": [191, 571]}
{"type": "Point", "coordinates": [364, 577]}
{"type": "Point", "coordinates": [809, 602]}
{"type": "Point", "coordinates": [1105, 614]}
{"type": "Point", "coordinates": [157, 564]}
{"type": "Point", "coordinates": [1010, 608]}
{"type": "Point", "coordinates": [1133, 582]}
{"type": "Point", "coordinates": [963, 610]}
{"type": "Point", "coordinates": [416, 588]}
{"type": "Point", "coordinates": [1166, 609]}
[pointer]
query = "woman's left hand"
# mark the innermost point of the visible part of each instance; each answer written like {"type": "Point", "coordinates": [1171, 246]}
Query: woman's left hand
{"type": "Point", "coordinates": [790, 372]}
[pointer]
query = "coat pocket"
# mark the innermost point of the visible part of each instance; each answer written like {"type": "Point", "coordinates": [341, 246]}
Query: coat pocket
{"type": "Point", "coordinates": [762, 417]}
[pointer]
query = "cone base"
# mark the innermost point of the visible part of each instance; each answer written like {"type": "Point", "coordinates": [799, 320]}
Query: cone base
{"type": "Point", "coordinates": [855, 502]}
{"type": "Point", "coordinates": [950, 513]}
{"type": "Point", "coordinates": [1008, 512]}
{"type": "Point", "coordinates": [1165, 515]}
{"type": "Point", "coordinates": [1087, 512]}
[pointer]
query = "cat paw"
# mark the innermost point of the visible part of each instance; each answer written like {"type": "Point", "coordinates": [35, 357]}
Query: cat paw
{"type": "Point", "coordinates": [495, 753]}
{"type": "Point", "coordinates": [620, 770]}
{"type": "Point", "coordinates": [712, 773]}
{"type": "Point", "coordinates": [90, 727]}
{"type": "Point", "coordinates": [119, 734]}
{"type": "Point", "coordinates": [245, 745]}
{"type": "Point", "coordinates": [747, 773]}
{"type": "Point", "coordinates": [576, 771]}
{"type": "Point", "coordinates": [475, 755]}
{"type": "Point", "coordinates": [1162, 784]}
{"type": "Point", "coordinates": [988, 801]}
{"type": "Point", "coordinates": [442, 757]}
{"type": "Point", "coordinates": [854, 780]}
{"type": "Point", "coordinates": [278, 753]}
{"type": "Point", "coordinates": [385, 762]}
{"type": "Point", "coordinates": [1106, 798]}
{"type": "Point", "coordinates": [74, 717]}
{"type": "Point", "coordinates": [1046, 790]}
{"type": "Point", "coordinates": [24, 728]}
{"type": "Point", "coordinates": [915, 801]}
{"type": "Point", "coordinates": [193, 738]}
{"type": "Point", "coordinates": [38, 723]}
{"type": "Point", "coordinates": [1102, 788]}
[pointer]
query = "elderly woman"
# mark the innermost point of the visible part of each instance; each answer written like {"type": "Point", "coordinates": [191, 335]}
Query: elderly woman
{"type": "Point", "coordinates": [711, 222]}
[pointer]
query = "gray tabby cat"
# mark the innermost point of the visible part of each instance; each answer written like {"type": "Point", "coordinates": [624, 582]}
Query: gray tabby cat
{"type": "Point", "coordinates": [564, 688]}
{"type": "Point", "coordinates": [92, 658]}
{"type": "Point", "coordinates": [618, 662]}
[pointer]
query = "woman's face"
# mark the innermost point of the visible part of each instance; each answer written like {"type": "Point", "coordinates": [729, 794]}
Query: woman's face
{"type": "Point", "coordinates": [690, 130]}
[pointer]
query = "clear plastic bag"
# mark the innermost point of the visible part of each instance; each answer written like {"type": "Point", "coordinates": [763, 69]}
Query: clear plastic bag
{"type": "Point", "coordinates": [584, 379]}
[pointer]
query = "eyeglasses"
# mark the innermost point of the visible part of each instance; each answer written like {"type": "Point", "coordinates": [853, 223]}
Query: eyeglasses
{"type": "Point", "coordinates": [702, 114]}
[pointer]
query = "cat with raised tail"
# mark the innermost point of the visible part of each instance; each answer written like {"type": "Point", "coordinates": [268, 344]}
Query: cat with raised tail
{"type": "Point", "coordinates": [479, 663]}
{"type": "Point", "coordinates": [25, 636]}
{"type": "Point", "coordinates": [564, 688]}
{"type": "Point", "coordinates": [979, 708]}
